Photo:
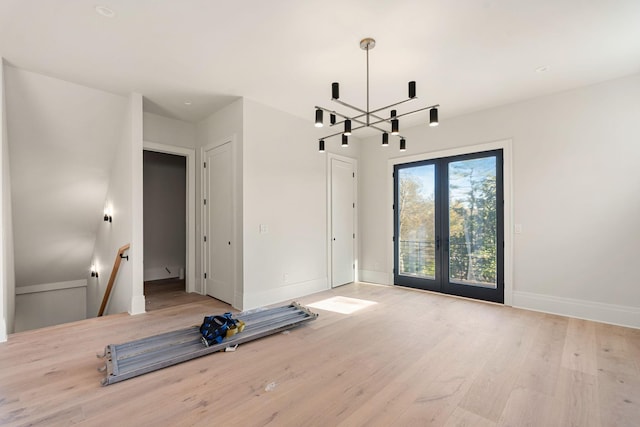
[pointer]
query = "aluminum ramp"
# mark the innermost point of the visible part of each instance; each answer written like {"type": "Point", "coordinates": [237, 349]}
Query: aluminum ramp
{"type": "Point", "coordinates": [128, 360]}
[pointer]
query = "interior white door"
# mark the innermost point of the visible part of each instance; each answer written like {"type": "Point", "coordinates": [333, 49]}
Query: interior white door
{"type": "Point", "coordinates": [218, 220]}
{"type": "Point", "coordinates": [342, 222]}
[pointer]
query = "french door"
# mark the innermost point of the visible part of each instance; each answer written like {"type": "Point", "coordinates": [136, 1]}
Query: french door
{"type": "Point", "coordinates": [449, 225]}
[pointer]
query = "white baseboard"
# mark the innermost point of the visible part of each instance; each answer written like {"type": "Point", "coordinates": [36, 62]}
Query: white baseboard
{"type": "Point", "coordinates": [600, 312]}
{"type": "Point", "coordinates": [137, 305]}
{"type": "Point", "coordinates": [380, 277]}
{"type": "Point", "coordinates": [283, 293]}
{"type": "Point", "coordinates": [159, 273]}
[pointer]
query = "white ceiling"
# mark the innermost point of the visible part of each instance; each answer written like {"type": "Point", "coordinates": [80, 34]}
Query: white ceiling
{"type": "Point", "coordinates": [465, 55]}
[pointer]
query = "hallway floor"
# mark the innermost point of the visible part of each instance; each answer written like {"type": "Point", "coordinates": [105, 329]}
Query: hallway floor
{"type": "Point", "coordinates": [171, 292]}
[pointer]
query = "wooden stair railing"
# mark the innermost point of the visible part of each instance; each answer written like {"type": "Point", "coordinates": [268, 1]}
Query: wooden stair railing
{"type": "Point", "coordinates": [112, 278]}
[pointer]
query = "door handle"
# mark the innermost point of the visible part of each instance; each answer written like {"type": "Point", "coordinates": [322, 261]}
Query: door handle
{"type": "Point", "coordinates": [437, 243]}
{"type": "Point", "coordinates": [229, 243]}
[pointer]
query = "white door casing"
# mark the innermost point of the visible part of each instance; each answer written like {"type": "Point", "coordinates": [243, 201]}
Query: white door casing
{"type": "Point", "coordinates": [190, 155]}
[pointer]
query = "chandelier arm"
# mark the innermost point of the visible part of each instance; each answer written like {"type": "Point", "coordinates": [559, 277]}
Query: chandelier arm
{"type": "Point", "coordinates": [359, 127]}
{"type": "Point", "coordinates": [344, 116]}
{"type": "Point", "coordinates": [384, 131]}
{"type": "Point", "coordinates": [418, 110]}
{"type": "Point", "coordinates": [340, 133]}
{"type": "Point", "coordinates": [381, 120]}
{"type": "Point", "coordinates": [392, 105]}
{"type": "Point", "coordinates": [360, 110]}
{"type": "Point", "coordinates": [372, 113]}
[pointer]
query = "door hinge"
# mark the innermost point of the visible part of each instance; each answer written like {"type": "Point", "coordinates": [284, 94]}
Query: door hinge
{"type": "Point", "coordinates": [393, 206]}
{"type": "Point", "coordinates": [205, 201]}
{"type": "Point", "coordinates": [205, 164]}
{"type": "Point", "coordinates": [393, 238]}
{"type": "Point", "coordinates": [353, 174]}
{"type": "Point", "coordinates": [354, 205]}
{"type": "Point", "coordinates": [354, 266]}
{"type": "Point", "coordinates": [205, 238]}
{"type": "Point", "coordinates": [205, 275]}
{"type": "Point", "coordinates": [354, 235]}
{"type": "Point", "coordinates": [393, 174]}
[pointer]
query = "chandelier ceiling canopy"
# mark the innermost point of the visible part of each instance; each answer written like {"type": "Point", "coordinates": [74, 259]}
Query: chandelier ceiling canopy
{"type": "Point", "coordinates": [384, 119]}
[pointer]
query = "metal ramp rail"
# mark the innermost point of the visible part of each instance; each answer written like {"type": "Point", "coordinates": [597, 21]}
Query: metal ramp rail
{"type": "Point", "coordinates": [134, 358]}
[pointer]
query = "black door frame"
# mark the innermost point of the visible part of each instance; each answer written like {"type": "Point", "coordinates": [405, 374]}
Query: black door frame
{"type": "Point", "coordinates": [441, 282]}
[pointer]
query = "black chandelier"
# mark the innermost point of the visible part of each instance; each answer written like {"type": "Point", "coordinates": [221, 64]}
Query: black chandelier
{"type": "Point", "coordinates": [369, 118]}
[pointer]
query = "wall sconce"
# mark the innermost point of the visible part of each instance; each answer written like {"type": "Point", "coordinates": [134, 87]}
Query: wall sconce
{"type": "Point", "coordinates": [94, 272]}
{"type": "Point", "coordinates": [107, 215]}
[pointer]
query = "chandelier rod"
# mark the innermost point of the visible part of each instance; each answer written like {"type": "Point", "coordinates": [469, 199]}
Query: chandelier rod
{"type": "Point", "coordinates": [368, 44]}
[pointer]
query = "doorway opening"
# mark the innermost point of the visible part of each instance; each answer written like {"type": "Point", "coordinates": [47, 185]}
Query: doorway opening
{"type": "Point", "coordinates": [449, 225]}
{"type": "Point", "coordinates": [165, 229]}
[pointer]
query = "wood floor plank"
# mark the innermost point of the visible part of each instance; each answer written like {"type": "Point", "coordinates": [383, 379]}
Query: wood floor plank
{"type": "Point", "coordinates": [464, 418]}
{"type": "Point", "coordinates": [539, 371]}
{"type": "Point", "coordinates": [529, 408]}
{"type": "Point", "coordinates": [579, 352]}
{"type": "Point", "coordinates": [413, 358]}
{"type": "Point", "coordinates": [576, 399]}
{"type": "Point", "coordinates": [492, 386]}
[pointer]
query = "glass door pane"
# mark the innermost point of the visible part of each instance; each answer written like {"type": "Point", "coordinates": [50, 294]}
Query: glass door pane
{"type": "Point", "coordinates": [473, 222]}
{"type": "Point", "coordinates": [448, 225]}
{"type": "Point", "coordinates": [416, 221]}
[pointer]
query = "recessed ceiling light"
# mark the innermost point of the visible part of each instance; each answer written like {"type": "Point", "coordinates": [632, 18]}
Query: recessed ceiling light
{"type": "Point", "coordinates": [105, 11]}
{"type": "Point", "coordinates": [187, 102]}
{"type": "Point", "coordinates": [543, 69]}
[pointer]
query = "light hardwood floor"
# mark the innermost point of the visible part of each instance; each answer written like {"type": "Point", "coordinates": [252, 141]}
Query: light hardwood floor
{"type": "Point", "coordinates": [169, 293]}
{"type": "Point", "coordinates": [414, 358]}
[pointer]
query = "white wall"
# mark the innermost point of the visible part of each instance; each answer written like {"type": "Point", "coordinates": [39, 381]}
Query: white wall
{"type": "Point", "coordinates": [124, 198]}
{"type": "Point", "coordinates": [7, 275]}
{"type": "Point", "coordinates": [222, 126]}
{"type": "Point", "coordinates": [284, 188]}
{"type": "Point", "coordinates": [39, 306]}
{"type": "Point", "coordinates": [164, 130]}
{"type": "Point", "coordinates": [575, 193]}
{"type": "Point", "coordinates": [61, 140]}
{"type": "Point", "coordinates": [164, 215]}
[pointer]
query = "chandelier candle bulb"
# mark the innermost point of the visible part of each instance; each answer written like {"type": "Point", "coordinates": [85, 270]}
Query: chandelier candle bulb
{"type": "Point", "coordinates": [412, 90]}
{"type": "Point", "coordinates": [385, 139]}
{"type": "Point", "coordinates": [345, 140]}
{"type": "Point", "coordinates": [335, 90]}
{"type": "Point", "coordinates": [395, 125]}
{"type": "Point", "coordinates": [321, 146]}
{"type": "Point", "coordinates": [347, 127]}
{"type": "Point", "coordinates": [433, 117]}
{"type": "Point", "coordinates": [319, 118]}
{"type": "Point", "coordinates": [403, 144]}
{"type": "Point", "coordinates": [332, 118]}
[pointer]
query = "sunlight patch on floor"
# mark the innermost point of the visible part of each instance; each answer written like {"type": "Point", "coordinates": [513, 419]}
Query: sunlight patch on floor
{"type": "Point", "coordinates": [342, 305]}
